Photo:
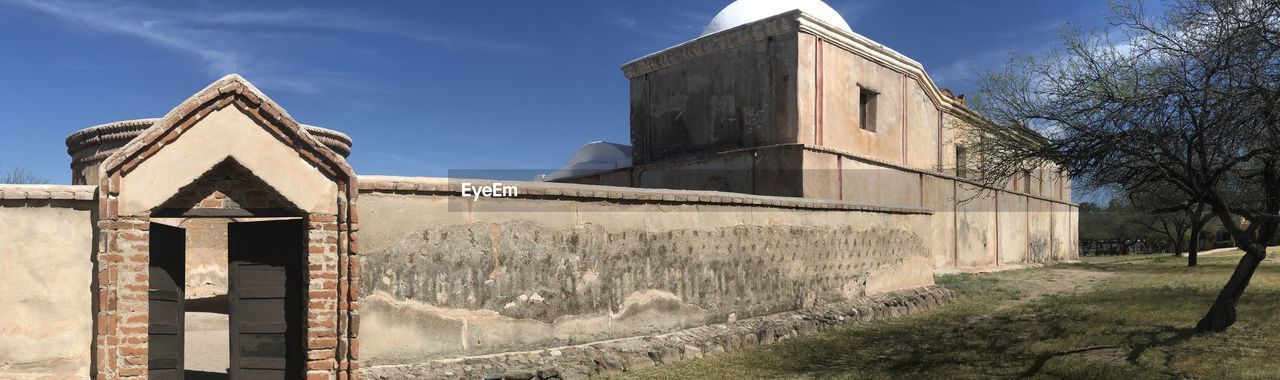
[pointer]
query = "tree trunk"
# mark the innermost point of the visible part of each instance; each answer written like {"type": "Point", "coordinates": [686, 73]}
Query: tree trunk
{"type": "Point", "coordinates": [1223, 313]}
{"type": "Point", "coordinates": [1194, 248]}
{"type": "Point", "coordinates": [1178, 242]}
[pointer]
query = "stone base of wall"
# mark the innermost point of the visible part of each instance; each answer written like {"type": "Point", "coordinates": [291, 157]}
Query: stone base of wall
{"type": "Point", "coordinates": [620, 355]}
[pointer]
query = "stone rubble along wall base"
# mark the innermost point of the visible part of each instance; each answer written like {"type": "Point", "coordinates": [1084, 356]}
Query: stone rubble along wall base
{"type": "Point", "coordinates": [629, 354]}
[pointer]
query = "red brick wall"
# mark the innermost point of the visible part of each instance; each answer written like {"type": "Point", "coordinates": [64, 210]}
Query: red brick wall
{"type": "Point", "coordinates": [228, 186]}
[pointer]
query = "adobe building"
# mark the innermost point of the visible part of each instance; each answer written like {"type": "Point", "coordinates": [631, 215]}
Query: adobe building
{"type": "Point", "coordinates": [789, 175]}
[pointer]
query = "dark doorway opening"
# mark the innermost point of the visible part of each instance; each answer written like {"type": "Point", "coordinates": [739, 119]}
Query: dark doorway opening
{"type": "Point", "coordinates": [266, 280]}
{"type": "Point", "coordinates": [262, 306]}
{"type": "Point", "coordinates": [165, 298]}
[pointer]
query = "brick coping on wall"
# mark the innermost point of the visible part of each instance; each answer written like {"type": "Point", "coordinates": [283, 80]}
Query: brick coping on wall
{"type": "Point", "coordinates": [48, 192]}
{"type": "Point", "coordinates": [567, 191]}
{"type": "Point", "coordinates": [620, 355]}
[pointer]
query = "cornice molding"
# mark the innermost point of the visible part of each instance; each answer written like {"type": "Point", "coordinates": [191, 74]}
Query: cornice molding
{"type": "Point", "coordinates": [801, 22]}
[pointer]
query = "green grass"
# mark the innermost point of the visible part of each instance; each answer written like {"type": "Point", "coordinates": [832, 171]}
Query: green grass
{"type": "Point", "coordinates": [1131, 322]}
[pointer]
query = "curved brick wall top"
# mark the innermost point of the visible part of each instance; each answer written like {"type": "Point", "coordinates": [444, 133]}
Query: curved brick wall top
{"type": "Point", "coordinates": [90, 146]}
{"type": "Point", "coordinates": [120, 132]}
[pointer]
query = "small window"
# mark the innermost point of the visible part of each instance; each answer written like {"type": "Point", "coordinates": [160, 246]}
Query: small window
{"type": "Point", "coordinates": [867, 109]}
{"type": "Point", "coordinates": [1026, 181]}
{"type": "Point", "coordinates": [962, 162]}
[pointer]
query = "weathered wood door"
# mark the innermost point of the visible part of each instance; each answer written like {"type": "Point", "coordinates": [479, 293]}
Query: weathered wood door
{"type": "Point", "coordinates": [166, 269]}
{"type": "Point", "coordinates": [266, 280]}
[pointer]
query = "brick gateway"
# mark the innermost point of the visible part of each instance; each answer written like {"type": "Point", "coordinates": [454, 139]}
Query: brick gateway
{"type": "Point", "coordinates": [240, 186]}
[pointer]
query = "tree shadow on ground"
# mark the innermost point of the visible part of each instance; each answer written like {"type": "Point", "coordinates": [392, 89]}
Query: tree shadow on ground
{"type": "Point", "coordinates": [1119, 333]}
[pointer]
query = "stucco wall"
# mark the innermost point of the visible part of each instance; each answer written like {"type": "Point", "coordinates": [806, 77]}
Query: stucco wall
{"type": "Point", "coordinates": [46, 328]}
{"type": "Point", "coordinates": [738, 94]}
{"type": "Point", "coordinates": [447, 277]}
{"type": "Point", "coordinates": [843, 75]}
{"type": "Point", "coordinates": [967, 232]}
{"type": "Point", "coordinates": [909, 160]}
{"type": "Point", "coordinates": [970, 229]}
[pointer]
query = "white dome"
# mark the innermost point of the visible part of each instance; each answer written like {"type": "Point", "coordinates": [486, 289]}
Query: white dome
{"type": "Point", "coordinates": [744, 12]}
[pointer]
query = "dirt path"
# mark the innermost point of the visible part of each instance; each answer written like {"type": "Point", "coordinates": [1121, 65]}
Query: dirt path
{"type": "Point", "coordinates": [1053, 281]}
{"type": "Point", "coordinates": [207, 349]}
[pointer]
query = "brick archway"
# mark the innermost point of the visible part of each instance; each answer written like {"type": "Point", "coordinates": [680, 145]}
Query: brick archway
{"type": "Point", "coordinates": [276, 162]}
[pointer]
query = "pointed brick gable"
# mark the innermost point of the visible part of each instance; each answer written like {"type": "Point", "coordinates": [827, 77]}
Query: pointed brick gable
{"type": "Point", "coordinates": [227, 165]}
{"type": "Point", "coordinates": [231, 90]}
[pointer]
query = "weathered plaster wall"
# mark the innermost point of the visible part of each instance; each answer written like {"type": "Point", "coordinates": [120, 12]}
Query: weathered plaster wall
{"type": "Point", "coordinates": [776, 170]}
{"type": "Point", "coordinates": [975, 227]}
{"type": "Point", "coordinates": [206, 263]}
{"type": "Point", "coordinates": [970, 229]}
{"type": "Point", "coordinates": [924, 129]}
{"type": "Point", "coordinates": [724, 172]}
{"type": "Point", "coordinates": [843, 74]}
{"type": "Point", "coordinates": [46, 245]}
{"type": "Point", "coordinates": [909, 160]}
{"type": "Point", "coordinates": [448, 280]}
{"type": "Point", "coordinates": [1063, 235]}
{"type": "Point", "coordinates": [940, 195]}
{"type": "Point", "coordinates": [967, 232]}
{"type": "Point", "coordinates": [1014, 228]}
{"type": "Point", "coordinates": [738, 95]}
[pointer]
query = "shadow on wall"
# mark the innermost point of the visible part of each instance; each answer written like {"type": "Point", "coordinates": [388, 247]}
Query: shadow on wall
{"type": "Point", "coordinates": [215, 304]}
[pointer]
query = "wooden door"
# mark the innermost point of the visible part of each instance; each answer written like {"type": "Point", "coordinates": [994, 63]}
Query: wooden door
{"type": "Point", "coordinates": [267, 307]}
{"type": "Point", "coordinates": [166, 268]}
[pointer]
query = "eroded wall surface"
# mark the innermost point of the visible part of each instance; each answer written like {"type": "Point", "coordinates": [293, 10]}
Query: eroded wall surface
{"type": "Point", "coordinates": [814, 81]}
{"type": "Point", "coordinates": [502, 275]}
{"type": "Point", "coordinates": [46, 328]}
{"type": "Point", "coordinates": [206, 263]}
{"type": "Point", "coordinates": [739, 95]}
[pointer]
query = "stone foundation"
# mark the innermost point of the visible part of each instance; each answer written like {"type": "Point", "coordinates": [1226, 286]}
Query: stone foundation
{"type": "Point", "coordinates": [621, 355]}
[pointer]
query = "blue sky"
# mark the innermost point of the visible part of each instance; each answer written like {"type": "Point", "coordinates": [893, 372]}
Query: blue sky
{"type": "Point", "coordinates": [424, 86]}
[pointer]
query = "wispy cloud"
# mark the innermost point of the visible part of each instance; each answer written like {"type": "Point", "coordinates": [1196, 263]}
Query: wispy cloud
{"type": "Point", "coordinates": [307, 18]}
{"type": "Point", "coordinates": [104, 19]}
{"type": "Point", "coordinates": [625, 22]}
{"type": "Point", "coordinates": [224, 41]}
{"type": "Point", "coordinates": [684, 25]}
{"type": "Point", "coordinates": [1035, 29]}
{"type": "Point", "coordinates": [960, 73]}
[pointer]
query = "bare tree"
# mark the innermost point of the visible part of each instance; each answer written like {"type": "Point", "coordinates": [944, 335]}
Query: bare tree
{"type": "Point", "coordinates": [20, 175]}
{"type": "Point", "coordinates": [1169, 215]}
{"type": "Point", "coordinates": [1186, 103]}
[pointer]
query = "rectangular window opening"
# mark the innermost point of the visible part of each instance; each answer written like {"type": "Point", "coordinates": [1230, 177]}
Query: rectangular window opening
{"type": "Point", "coordinates": [962, 162]}
{"type": "Point", "coordinates": [867, 109]}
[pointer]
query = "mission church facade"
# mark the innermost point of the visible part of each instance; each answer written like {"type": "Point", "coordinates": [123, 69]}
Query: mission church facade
{"type": "Point", "coordinates": [781, 165]}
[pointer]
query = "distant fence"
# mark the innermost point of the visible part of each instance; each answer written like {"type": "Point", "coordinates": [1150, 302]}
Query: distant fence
{"type": "Point", "coordinates": [1118, 247]}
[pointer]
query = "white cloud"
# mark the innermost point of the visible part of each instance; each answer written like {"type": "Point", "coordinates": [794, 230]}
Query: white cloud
{"type": "Point", "coordinates": [959, 73]}
{"type": "Point", "coordinates": [221, 42]}
{"type": "Point", "coordinates": [625, 22]}
{"type": "Point", "coordinates": [219, 60]}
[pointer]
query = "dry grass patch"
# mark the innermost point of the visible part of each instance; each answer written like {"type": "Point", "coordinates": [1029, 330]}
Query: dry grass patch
{"type": "Point", "coordinates": [1116, 317]}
